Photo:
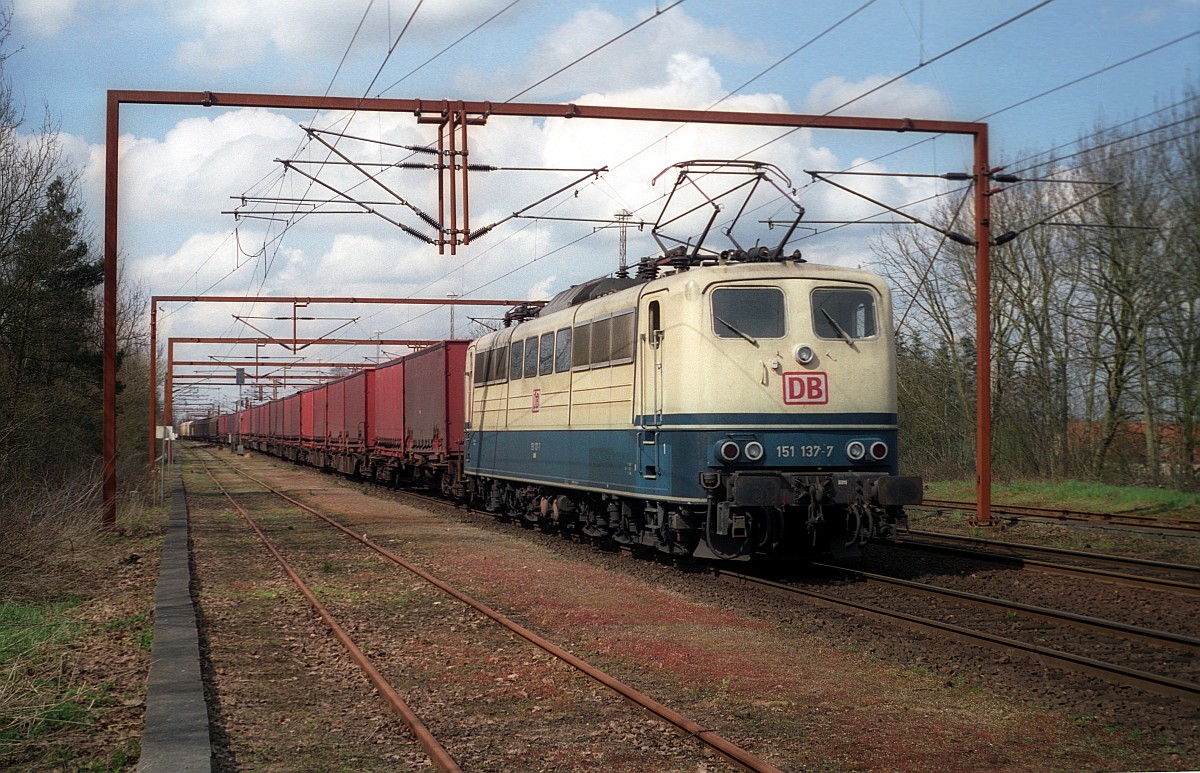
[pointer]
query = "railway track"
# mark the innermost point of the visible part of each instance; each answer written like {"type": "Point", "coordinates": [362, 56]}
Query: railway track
{"type": "Point", "coordinates": [1140, 521]}
{"type": "Point", "coordinates": [1178, 650]}
{"type": "Point", "coordinates": [1120, 570]}
{"type": "Point", "coordinates": [1117, 653]}
{"type": "Point", "coordinates": [437, 753]}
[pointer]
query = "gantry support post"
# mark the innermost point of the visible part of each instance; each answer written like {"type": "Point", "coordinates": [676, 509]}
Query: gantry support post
{"type": "Point", "coordinates": [153, 382]}
{"type": "Point", "coordinates": [983, 334]}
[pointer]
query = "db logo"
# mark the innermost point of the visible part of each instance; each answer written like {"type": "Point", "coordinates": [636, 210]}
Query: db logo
{"type": "Point", "coordinates": [537, 401]}
{"type": "Point", "coordinates": [805, 389]}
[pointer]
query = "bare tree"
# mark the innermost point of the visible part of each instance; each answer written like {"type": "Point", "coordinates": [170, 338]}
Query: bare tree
{"type": "Point", "coordinates": [1095, 314]}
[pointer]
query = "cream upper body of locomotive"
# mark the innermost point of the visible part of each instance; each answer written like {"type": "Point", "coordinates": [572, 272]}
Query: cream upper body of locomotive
{"type": "Point", "coordinates": [726, 341]}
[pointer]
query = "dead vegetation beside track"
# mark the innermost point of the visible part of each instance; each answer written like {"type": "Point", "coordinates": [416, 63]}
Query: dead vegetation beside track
{"type": "Point", "coordinates": [76, 606]}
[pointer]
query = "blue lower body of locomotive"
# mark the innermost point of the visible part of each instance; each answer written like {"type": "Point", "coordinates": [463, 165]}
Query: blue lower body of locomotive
{"type": "Point", "coordinates": [663, 461]}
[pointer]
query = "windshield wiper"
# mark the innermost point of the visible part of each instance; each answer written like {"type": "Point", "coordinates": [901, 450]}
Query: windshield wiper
{"type": "Point", "coordinates": [745, 335]}
{"type": "Point", "coordinates": [845, 336]}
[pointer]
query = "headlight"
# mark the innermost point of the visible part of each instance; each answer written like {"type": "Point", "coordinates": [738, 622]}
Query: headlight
{"type": "Point", "coordinates": [879, 450]}
{"type": "Point", "coordinates": [804, 354]}
{"type": "Point", "coordinates": [856, 450]}
{"type": "Point", "coordinates": [754, 450]}
{"type": "Point", "coordinates": [728, 451]}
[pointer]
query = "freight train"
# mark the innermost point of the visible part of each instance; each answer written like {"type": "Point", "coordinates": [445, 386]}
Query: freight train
{"type": "Point", "coordinates": [734, 407]}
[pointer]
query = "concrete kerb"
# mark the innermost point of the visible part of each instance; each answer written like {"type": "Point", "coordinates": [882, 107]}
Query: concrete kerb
{"type": "Point", "coordinates": [176, 734]}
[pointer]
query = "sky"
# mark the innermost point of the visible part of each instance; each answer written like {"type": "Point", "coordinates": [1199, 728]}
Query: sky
{"type": "Point", "coordinates": [185, 169]}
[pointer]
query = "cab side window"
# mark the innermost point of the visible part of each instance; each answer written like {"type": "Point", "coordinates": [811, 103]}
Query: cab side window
{"type": "Point", "coordinates": [546, 356]}
{"type": "Point", "coordinates": [562, 351]}
{"type": "Point", "coordinates": [531, 357]}
{"type": "Point", "coordinates": [516, 361]}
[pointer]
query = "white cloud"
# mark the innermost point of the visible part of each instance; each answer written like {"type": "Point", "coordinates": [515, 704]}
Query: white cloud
{"type": "Point", "coordinates": [201, 161]}
{"type": "Point", "coordinates": [643, 57]}
{"type": "Point", "coordinates": [902, 99]}
{"type": "Point", "coordinates": [544, 288]}
{"type": "Point", "coordinates": [44, 18]}
{"type": "Point", "coordinates": [225, 35]}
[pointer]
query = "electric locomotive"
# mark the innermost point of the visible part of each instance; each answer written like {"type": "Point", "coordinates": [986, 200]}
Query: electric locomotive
{"type": "Point", "coordinates": [738, 407]}
{"type": "Point", "coordinates": [727, 405]}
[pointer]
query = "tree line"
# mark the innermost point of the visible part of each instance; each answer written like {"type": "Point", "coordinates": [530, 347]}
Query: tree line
{"type": "Point", "coordinates": [51, 355]}
{"type": "Point", "coordinates": [1095, 313]}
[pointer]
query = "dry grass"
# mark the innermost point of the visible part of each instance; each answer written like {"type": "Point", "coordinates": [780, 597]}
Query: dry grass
{"type": "Point", "coordinates": [71, 612]}
{"type": "Point", "coordinates": [45, 531]}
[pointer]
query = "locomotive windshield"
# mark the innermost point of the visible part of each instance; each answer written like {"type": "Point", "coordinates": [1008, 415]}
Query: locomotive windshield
{"type": "Point", "coordinates": [748, 312]}
{"type": "Point", "coordinates": [843, 313]}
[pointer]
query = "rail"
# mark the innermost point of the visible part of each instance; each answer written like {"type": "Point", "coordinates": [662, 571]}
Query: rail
{"type": "Point", "coordinates": [712, 740]}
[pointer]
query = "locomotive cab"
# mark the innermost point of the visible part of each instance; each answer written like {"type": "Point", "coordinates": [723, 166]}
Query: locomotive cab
{"type": "Point", "coordinates": [772, 386]}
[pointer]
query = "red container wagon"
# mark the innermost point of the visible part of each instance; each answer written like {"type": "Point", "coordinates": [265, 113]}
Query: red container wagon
{"type": "Point", "coordinates": [347, 416]}
{"type": "Point", "coordinates": [335, 412]}
{"type": "Point", "coordinates": [349, 400]}
{"type": "Point", "coordinates": [275, 423]}
{"type": "Point", "coordinates": [260, 420]}
{"type": "Point", "coordinates": [349, 408]}
{"type": "Point", "coordinates": [225, 426]}
{"type": "Point", "coordinates": [308, 430]}
{"type": "Point", "coordinates": [289, 429]}
{"type": "Point", "coordinates": [320, 424]}
{"type": "Point", "coordinates": [388, 427]}
{"type": "Point", "coordinates": [433, 401]}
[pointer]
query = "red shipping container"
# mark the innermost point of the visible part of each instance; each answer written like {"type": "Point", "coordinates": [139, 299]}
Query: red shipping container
{"type": "Point", "coordinates": [388, 425]}
{"type": "Point", "coordinates": [433, 398]}
{"type": "Point", "coordinates": [308, 432]}
{"type": "Point", "coordinates": [261, 421]}
{"type": "Point", "coordinates": [335, 412]}
{"type": "Point", "coordinates": [290, 429]}
{"type": "Point", "coordinates": [365, 425]}
{"type": "Point", "coordinates": [349, 401]}
{"type": "Point", "coordinates": [320, 416]}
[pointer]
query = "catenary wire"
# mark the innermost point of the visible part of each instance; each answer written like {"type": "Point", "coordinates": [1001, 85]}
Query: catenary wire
{"type": "Point", "coordinates": [606, 44]}
{"type": "Point", "coordinates": [475, 29]}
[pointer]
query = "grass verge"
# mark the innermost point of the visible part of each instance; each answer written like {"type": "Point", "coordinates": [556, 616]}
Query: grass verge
{"type": "Point", "coordinates": [1076, 495]}
{"type": "Point", "coordinates": [75, 634]}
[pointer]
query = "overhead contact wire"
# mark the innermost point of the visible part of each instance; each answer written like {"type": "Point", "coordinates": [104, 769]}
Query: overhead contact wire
{"type": "Point", "coordinates": [602, 46]}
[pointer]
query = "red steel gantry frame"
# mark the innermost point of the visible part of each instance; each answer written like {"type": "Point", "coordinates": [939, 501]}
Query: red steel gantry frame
{"type": "Point", "coordinates": [453, 118]}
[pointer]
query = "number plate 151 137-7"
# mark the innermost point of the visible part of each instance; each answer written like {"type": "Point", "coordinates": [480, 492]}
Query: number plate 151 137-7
{"type": "Point", "coordinates": [803, 452]}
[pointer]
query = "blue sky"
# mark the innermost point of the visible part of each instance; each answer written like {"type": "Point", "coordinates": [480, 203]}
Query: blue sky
{"type": "Point", "coordinates": [180, 166]}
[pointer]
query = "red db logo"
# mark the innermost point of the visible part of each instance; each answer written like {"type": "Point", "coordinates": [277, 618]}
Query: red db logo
{"type": "Point", "coordinates": [537, 401]}
{"type": "Point", "coordinates": [805, 389]}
